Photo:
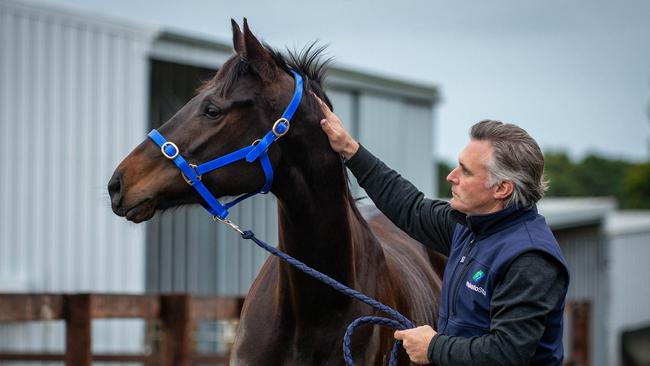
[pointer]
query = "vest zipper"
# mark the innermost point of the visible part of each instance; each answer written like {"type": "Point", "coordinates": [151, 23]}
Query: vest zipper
{"type": "Point", "coordinates": [465, 262]}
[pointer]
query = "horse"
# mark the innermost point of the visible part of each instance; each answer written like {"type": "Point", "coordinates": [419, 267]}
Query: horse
{"type": "Point", "coordinates": [288, 318]}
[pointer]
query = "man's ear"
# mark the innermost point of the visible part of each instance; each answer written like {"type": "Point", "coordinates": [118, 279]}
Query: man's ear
{"type": "Point", "coordinates": [504, 190]}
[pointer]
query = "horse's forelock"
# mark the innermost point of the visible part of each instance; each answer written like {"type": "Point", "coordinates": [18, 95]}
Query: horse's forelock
{"type": "Point", "coordinates": [230, 72]}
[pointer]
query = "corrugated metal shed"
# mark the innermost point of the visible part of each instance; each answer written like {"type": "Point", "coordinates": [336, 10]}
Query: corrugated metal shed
{"type": "Point", "coordinates": [577, 224]}
{"type": "Point", "coordinates": [607, 252]}
{"type": "Point", "coordinates": [628, 234]}
{"type": "Point", "coordinates": [72, 100]}
{"type": "Point", "coordinates": [72, 97]}
{"type": "Point", "coordinates": [75, 98]}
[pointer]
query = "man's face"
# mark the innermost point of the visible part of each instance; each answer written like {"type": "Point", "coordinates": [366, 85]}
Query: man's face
{"type": "Point", "coordinates": [469, 190]}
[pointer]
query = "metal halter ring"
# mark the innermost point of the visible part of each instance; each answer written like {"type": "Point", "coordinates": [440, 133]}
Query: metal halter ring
{"type": "Point", "coordinates": [169, 143]}
{"type": "Point", "coordinates": [256, 142]}
{"type": "Point", "coordinates": [229, 223]}
{"type": "Point", "coordinates": [277, 123]}
{"type": "Point", "coordinates": [193, 166]}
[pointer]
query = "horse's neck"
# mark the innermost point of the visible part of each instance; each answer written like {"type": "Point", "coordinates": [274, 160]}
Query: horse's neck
{"type": "Point", "coordinates": [318, 226]}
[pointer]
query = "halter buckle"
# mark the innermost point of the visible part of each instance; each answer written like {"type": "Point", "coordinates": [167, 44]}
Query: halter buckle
{"type": "Point", "coordinates": [277, 123]}
{"type": "Point", "coordinates": [193, 166]}
{"type": "Point", "coordinates": [169, 143]}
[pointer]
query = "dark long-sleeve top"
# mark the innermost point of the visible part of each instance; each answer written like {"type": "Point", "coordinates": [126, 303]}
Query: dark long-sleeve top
{"type": "Point", "coordinates": [531, 287]}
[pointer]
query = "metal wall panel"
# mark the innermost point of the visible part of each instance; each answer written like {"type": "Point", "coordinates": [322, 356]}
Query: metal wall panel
{"type": "Point", "coordinates": [585, 252]}
{"type": "Point", "coordinates": [399, 132]}
{"type": "Point", "coordinates": [629, 300]}
{"type": "Point", "coordinates": [380, 127]}
{"type": "Point", "coordinates": [417, 145]}
{"type": "Point", "coordinates": [193, 253]}
{"type": "Point", "coordinates": [72, 94]}
{"type": "Point", "coordinates": [345, 104]}
{"type": "Point", "coordinates": [346, 107]}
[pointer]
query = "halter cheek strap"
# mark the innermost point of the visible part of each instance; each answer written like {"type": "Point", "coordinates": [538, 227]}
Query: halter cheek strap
{"type": "Point", "coordinates": [281, 126]}
{"type": "Point", "coordinates": [258, 151]}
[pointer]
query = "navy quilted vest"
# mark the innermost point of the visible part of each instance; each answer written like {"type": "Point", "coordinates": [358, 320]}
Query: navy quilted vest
{"type": "Point", "coordinates": [482, 250]}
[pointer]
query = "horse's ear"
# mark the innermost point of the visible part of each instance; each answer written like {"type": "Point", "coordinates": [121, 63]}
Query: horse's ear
{"type": "Point", "coordinates": [237, 37]}
{"type": "Point", "coordinates": [256, 54]}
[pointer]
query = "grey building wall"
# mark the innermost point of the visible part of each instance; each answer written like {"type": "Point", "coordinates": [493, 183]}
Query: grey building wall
{"type": "Point", "coordinates": [72, 98]}
{"type": "Point", "coordinates": [584, 249]}
{"type": "Point", "coordinates": [398, 128]}
{"type": "Point", "coordinates": [629, 309]}
{"type": "Point", "coordinates": [189, 252]}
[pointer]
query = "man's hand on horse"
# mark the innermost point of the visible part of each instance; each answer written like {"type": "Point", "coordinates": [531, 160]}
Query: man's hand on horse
{"type": "Point", "coordinates": [416, 343]}
{"type": "Point", "coordinates": [340, 139]}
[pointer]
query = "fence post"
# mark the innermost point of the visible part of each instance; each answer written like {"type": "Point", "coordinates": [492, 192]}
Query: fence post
{"type": "Point", "coordinates": [177, 325]}
{"type": "Point", "coordinates": [78, 341]}
{"type": "Point", "coordinates": [581, 323]}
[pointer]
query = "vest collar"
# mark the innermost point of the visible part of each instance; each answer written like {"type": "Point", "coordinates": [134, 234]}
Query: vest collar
{"type": "Point", "coordinates": [484, 225]}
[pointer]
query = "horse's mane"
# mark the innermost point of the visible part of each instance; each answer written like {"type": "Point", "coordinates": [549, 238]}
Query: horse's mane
{"type": "Point", "coordinates": [309, 63]}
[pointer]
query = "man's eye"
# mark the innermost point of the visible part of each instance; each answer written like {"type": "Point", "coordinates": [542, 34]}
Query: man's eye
{"type": "Point", "coordinates": [212, 111]}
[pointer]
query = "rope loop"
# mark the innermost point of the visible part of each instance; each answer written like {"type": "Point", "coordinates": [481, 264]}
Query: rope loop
{"type": "Point", "coordinates": [399, 321]}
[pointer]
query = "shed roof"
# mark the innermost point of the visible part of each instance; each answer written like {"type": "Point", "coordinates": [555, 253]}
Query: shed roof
{"type": "Point", "coordinates": [628, 222]}
{"type": "Point", "coordinates": [194, 48]}
{"type": "Point", "coordinates": [564, 213]}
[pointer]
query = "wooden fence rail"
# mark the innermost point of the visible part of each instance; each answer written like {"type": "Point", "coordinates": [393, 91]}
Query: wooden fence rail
{"type": "Point", "coordinates": [177, 313]}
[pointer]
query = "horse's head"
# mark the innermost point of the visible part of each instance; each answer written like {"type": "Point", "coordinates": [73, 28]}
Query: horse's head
{"type": "Point", "coordinates": [238, 106]}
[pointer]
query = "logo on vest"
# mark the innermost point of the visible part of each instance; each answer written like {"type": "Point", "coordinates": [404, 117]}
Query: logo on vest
{"type": "Point", "coordinates": [477, 277]}
{"type": "Point", "coordinates": [473, 287]}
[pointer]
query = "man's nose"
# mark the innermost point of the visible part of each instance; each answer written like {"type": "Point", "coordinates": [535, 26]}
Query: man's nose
{"type": "Point", "coordinates": [452, 176]}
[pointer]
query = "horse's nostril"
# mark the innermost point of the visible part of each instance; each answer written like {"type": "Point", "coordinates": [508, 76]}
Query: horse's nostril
{"type": "Point", "coordinates": [115, 188]}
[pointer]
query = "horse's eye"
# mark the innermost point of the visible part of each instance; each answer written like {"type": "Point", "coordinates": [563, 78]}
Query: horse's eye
{"type": "Point", "coordinates": [211, 111]}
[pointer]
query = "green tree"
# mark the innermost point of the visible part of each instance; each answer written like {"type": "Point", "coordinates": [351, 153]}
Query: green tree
{"type": "Point", "coordinates": [559, 170]}
{"type": "Point", "coordinates": [636, 186]}
{"type": "Point", "coordinates": [444, 188]}
{"type": "Point", "coordinates": [601, 176]}
{"type": "Point", "coordinates": [593, 176]}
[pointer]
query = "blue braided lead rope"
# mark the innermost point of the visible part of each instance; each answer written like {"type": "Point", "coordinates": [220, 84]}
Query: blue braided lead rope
{"type": "Point", "coordinates": [399, 322]}
{"type": "Point", "coordinates": [347, 339]}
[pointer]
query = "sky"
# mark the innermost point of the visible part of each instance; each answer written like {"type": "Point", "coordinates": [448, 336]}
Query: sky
{"type": "Point", "coordinates": [574, 74]}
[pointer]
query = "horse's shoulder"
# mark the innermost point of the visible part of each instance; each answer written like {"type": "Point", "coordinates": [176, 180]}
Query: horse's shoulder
{"type": "Point", "coordinates": [412, 273]}
{"type": "Point", "coordinates": [257, 333]}
{"type": "Point", "coordinates": [388, 234]}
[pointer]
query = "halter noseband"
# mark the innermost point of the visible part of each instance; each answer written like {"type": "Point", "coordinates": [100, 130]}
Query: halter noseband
{"type": "Point", "coordinates": [258, 150]}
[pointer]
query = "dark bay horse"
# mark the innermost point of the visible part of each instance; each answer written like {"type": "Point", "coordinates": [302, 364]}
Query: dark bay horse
{"type": "Point", "coordinates": [288, 318]}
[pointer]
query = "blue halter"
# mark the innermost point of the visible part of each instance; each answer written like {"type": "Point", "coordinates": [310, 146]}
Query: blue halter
{"type": "Point", "coordinates": [259, 150]}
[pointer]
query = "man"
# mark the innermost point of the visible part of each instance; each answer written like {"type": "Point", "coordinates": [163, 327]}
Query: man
{"type": "Point", "coordinates": [506, 280]}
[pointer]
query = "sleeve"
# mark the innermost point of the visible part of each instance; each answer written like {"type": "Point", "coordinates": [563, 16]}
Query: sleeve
{"type": "Point", "coordinates": [532, 287]}
{"type": "Point", "coordinates": [428, 221]}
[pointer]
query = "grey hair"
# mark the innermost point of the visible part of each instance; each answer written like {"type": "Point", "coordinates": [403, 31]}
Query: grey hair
{"type": "Point", "coordinates": [517, 158]}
